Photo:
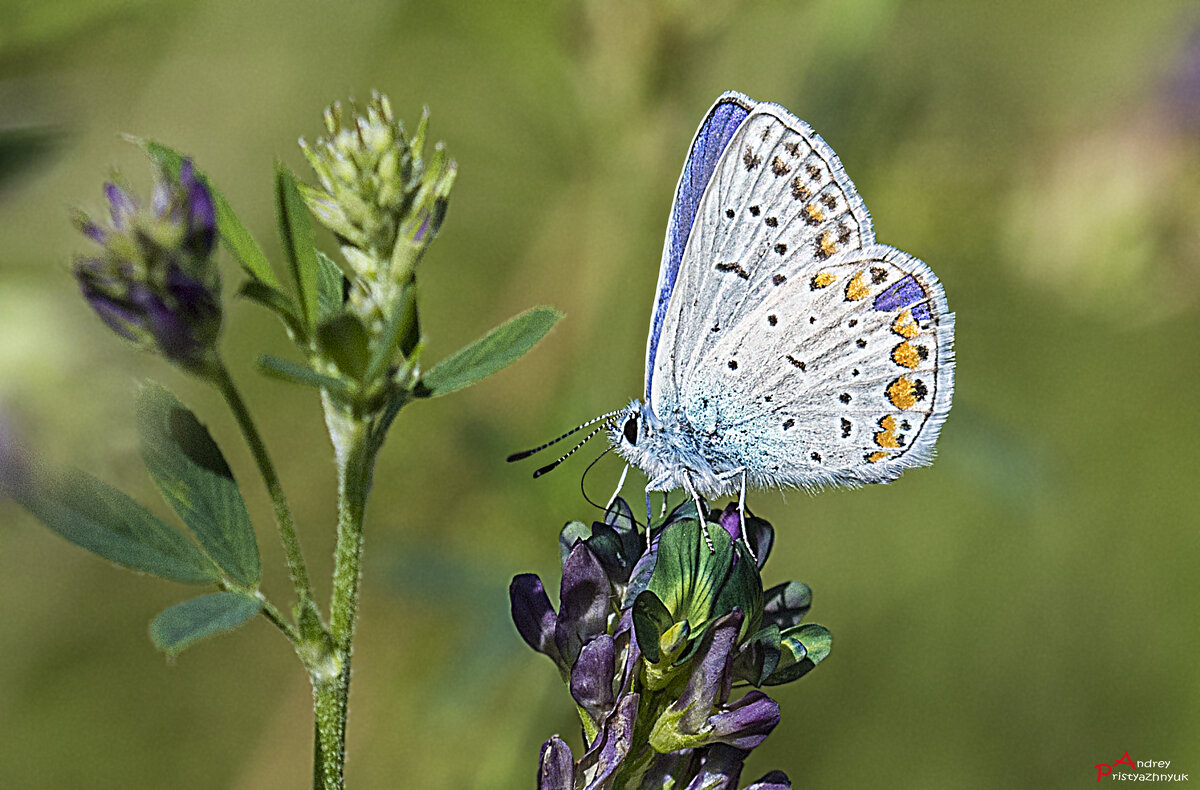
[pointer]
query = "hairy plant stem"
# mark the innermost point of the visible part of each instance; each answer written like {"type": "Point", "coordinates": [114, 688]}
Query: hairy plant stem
{"type": "Point", "coordinates": [220, 376]}
{"type": "Point", "coordinates": [355, 455]}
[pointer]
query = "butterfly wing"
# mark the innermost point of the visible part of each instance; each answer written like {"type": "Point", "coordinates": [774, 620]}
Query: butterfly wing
{"type": "Point", "coordinates": [711, 140]}
{"type": "Point", "coordinates": [778, 201]}
{"type": "Point", "coordinates": [801, 350]}
{"type": "Point", "coordinates": [843, 375]}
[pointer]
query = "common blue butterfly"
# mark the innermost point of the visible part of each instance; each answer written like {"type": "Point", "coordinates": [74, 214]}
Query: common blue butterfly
{"type": "Point", "coordinates": [786, 347]}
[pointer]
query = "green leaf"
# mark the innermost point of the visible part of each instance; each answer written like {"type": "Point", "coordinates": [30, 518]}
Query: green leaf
{"type": "Point", "coordinates": [279, 303]}
{"type": "Point", "coordinates": [343, 339]}
{"type": "Point", "coordinates": [800, 650]}
{"type": "Point", "coordinates": [296, 233]}
{"type": "Point", "coordinates": [571, 532]}
{"type": "Point", "coordinates": [296, 373]}
{"type": "Point", "coordinates": [195, 479]}
{"type": "Point", "coordinates": [101, 519]}
{"type": "Point", "coordinates": [687, 575]}
{"type": "Point", "coordinates": [190, 621]}
{"type": "Point", "coordinates": [24, 147]}
{"type": "Point", "coordinates": [233, 233]}
{"type": "Point", "coordinates": [786, 604]}
{"type": "Point", "coordinates": [758, 656]}
{"type": "Point", "coordinates": [742, 588]}
{"type": "Point", "coordinates": [650, 621]}
{"type": "Point", "coordinates": [332, 287]}
{"type": "Point", "coordinates": [494, 351]}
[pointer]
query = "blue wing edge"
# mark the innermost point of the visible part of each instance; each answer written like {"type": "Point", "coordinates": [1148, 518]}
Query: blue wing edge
{"type": "Point", "coordinates": [719, 125]}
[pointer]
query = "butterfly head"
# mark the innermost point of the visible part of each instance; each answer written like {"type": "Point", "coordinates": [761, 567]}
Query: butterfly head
{"type": "Point", "coordinates": [635, 434]}
{"type": "Point", "coordinates": [627, 428]}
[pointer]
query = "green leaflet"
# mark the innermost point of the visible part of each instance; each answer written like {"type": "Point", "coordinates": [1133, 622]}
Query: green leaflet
{"type": "Point", "coordinates": [194, 478]}
{"type": "Point", "coordinates": [296, 234]}
{"type": "Point", "coordinates": [687, 576]}
{"type": "Point", "coordinates": [494, 351]}
{"type": "Point", "coordinates": [296, 373]}
{"type": "Point", "coordinates": [650, 621]}
{"type": "Point", "coordinates": [800, 650]}
{"type": "Point", "coordinates": [184, 623]}
{"type": "Point", "coordinates": [332, 287]}
{"type": "Point", "coordinates": [278, 302]}
{"type": "Point", "coordinates": [236, 237]}
{"type": "Point", "coordinates": [103, 520]}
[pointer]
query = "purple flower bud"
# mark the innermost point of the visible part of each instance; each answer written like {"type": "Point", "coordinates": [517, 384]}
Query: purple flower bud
{"type": "Point", "coordinates": [556, 767]}
{"type": "Point", "coordinates": [154, 282]}
{"type": "Point", "coordinates": [731, 521]}
{"type": "Point", "coordinates": [772, 780]}
{"type": "Point", "coordinates": [583, 602]}
{"type": "Point", "coordinates": [534, 616]}
{"type": "Point", "coordinates": [711, 678]}
{"type": "Point", "coordinates": [612, 744]}
{"type": "Point", "coordinates": [746, 722]}
{"type": "Point", "coordinates": [592, 677]}
{"type": "Point", "coordinates": [121, 205]}
{"type": "Point", "coordinates": [720, 769]}
{"type": "Point", "coordinates": [202, 212]}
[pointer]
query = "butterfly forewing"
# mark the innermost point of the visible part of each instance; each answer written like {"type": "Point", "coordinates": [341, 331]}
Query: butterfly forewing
{"type": "Point", "coordinates": [719, 125]}
{"type": "Point", "coordinates": [778, 203]}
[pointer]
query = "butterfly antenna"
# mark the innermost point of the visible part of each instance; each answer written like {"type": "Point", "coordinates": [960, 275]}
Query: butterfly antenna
{"type": "Point", "coordinates": [569, 453]}
{"type": "Point", "coordinates": [583, 479]}
{"type": "Point", "coordinates": [605, 508]}
{"type": "Point", "coordinates": [526, 453]}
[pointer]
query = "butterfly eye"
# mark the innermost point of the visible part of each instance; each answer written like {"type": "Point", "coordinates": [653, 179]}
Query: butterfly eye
{"type": "Point", "coordinates": [630, 430]}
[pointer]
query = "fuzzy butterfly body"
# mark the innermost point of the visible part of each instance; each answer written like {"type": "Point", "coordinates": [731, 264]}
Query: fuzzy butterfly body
{"type": "Point", "coordinates": [787, 347]}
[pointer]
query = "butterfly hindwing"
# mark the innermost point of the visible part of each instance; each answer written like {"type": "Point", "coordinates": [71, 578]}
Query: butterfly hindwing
{"type": "Point", "coordinates": [842, 376]}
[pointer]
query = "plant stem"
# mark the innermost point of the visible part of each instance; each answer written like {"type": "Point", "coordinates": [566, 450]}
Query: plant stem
{"type": "Point", "coordinates": [275, 616]}
{"type": "Point", "coordinates": [331, 684]}
{"type": "Point", "coordinates": [283, 516]}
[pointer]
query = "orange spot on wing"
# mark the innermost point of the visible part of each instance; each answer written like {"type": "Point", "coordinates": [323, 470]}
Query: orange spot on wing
{"type": "Point", "coordinates": [857, 289]}
{"type": "Point", "coordinates": [814, 213]}
{"type": "Point", "coordinates": [828, 245]}
{"type": "Point", "coordinates": [906, 354]}
{"type": "Point", "coordinates": [887, 437]}
{"type": "Point", "coordinates": [905, 326]}
{"type": "Point", "coordinates": [902, 393]}
{"type": "Point", "coordinates": [877, 456]}
{"type": "Point", "coordinates": [822, 280]}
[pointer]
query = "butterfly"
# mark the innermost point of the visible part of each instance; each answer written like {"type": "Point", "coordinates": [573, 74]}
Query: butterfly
{"type": "Point", "coordinates": [787, 347]}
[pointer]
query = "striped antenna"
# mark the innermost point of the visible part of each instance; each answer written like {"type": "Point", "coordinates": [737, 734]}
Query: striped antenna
{"type": "Point", "coordinates": [526, 453]}
{"type": "Point", "coordinates": [550, 467]}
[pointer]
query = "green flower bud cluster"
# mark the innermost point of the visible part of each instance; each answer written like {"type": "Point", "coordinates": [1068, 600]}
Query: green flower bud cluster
{"type": "Point", "coordinates": [382, 198]}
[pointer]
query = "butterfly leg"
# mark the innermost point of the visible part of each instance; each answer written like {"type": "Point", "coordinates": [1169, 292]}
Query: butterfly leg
{"type": "Point", "coordinates": [742, 516]}
{"type": "Point", "coordinates": [741, 506]}
{"type": "Point", "coordinates": [658, 484]}
{"type": "Point", "coordinates": [701, 513]}
{"type": "Point", "coordinates": [620, 485]}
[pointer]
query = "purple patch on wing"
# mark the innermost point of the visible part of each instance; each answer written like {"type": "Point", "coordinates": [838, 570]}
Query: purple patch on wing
{"type": "Point", "coordinates": [921, 313]}
{"type": "Point", "coordinates": [710, 143]}
{"type": "Point", "coordinates": [902, 293]}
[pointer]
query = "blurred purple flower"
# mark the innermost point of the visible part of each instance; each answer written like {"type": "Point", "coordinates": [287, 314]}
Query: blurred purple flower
{"type": "Point", "coordinates": [1181, 89]}
{"type": "Point", "coordinates": [154, 283]}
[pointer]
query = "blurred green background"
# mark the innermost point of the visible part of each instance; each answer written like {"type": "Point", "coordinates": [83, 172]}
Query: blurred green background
{"type": "Point", "coordinates": [1024, 609]}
